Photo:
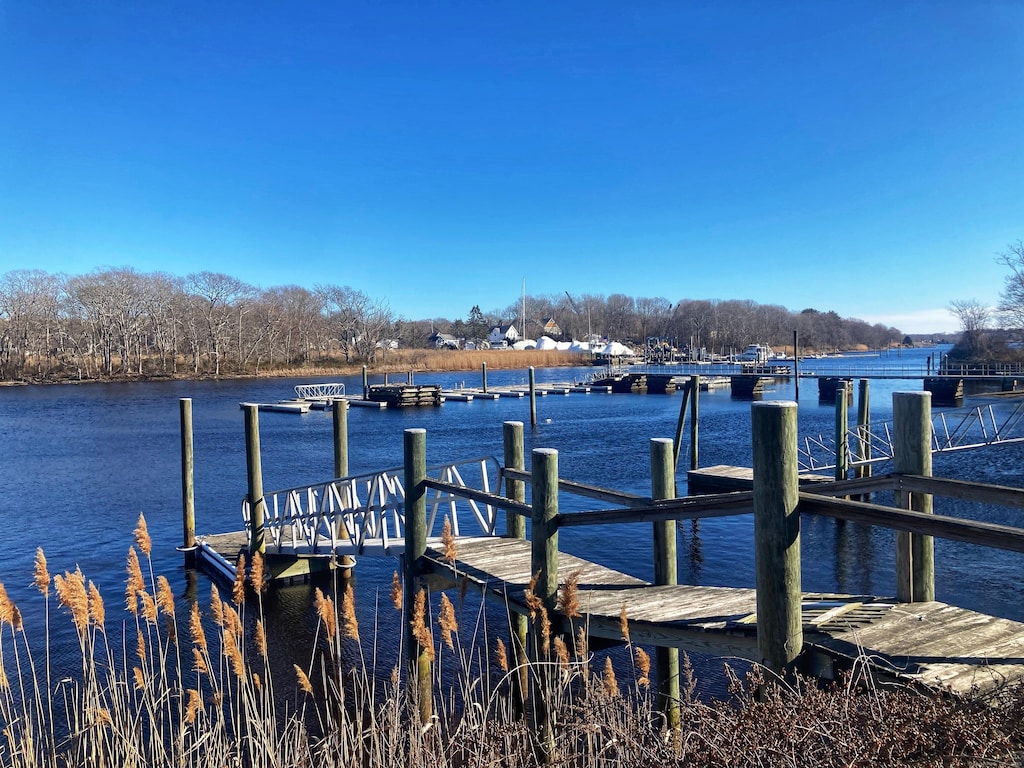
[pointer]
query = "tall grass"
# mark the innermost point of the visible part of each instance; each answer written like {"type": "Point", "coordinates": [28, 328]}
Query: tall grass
{"type": "Point", "coordinates": [198, 690]}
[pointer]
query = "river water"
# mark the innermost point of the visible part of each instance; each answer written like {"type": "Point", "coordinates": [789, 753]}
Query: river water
{"type": "Point", "coordinates": [80, 463]}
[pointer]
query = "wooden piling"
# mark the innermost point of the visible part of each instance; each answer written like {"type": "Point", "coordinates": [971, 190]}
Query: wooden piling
{"type": "Point", "coordinates": [188, 495]}
{"type": "Point", "coordinates": [796, 366]}
{"type": "Point", "coordinates": [776, 533]}
{"type": "Point", "coordinates": [694, 421]}
{"type": "Point", "coordinates": [544, 567]}
{"type": "Point", "coordinates": [691, 386]}
{"type": "Point", "coordinates": [533, 397]}
{"type": "Point", "coordinates": [842, 435]}
{"type": "Point", "coordinates": [515, 528]}
{"type": "Point", "coordinates": [366, 384]}
{"type": "Point", "coordinates": [415, 452]}
{"type": "Point", "coordinates": [339, 418]}
{"type": "Point", "coordinates": [254, 476]}
{"type": "Point", "coordinates": [863, 468]}
{"type": "Point", "coordinates": [483, 376]}
{"type": "Point", "coordinates": [339, 409]}
{"type": "Point", "coordinates": [912, 455]}
{"type": "Point", "coordinates": [665, 573]}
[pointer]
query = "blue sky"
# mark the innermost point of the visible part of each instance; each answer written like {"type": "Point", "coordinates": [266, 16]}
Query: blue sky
{"type": "Point", "coordinates": [862, 157]}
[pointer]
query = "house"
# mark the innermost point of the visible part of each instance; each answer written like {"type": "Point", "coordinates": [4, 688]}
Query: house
{"type": "Point", "coordinates": [548, 327]}
{"type": "Point", "coordinates": [503, 335]}
{"type": "Point", "coordinates": [440, 340]}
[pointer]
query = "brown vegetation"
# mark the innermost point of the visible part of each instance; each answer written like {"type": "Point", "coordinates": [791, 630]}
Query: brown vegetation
{"type": "Point", "coordinates": [159, 704]}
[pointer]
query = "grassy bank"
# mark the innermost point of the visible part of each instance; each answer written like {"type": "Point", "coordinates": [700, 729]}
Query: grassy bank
{"type": "Point", "coordinates": [200, 689]}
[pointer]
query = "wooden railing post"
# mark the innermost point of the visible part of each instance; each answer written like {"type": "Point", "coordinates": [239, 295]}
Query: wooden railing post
{"type": "Point", "coordinates": [254, 476]}
{"type": "Point", "coordinates": [188, 494]}
{"type": "Point", "coordinates": [912, 454]}
{"type": "Point", "coordinates": [863, 434]}
{"type": "Point", "coordinates": [533, 397]}
{"type": "Point", "coordinates": [665, 573]}
{"type": "Point", "coordinates": [415, 451]}
{"type": "Point", "coordinates": [515, 528]}
{"type": "Point", "coordinates": [544, 567]}
{"type": "Point", "coordinates": [842, 432]}
{"type": "Point", "coordinates": [777, 533]}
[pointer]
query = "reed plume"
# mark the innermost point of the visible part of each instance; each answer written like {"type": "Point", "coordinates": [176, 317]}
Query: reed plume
{"type": "Point", "coordinates": [164, 595]}
{"type": "Point", "coordinates": [261, 639]}
{"type": "Point", "coordinates": [195, 625]}
{"type": "Point", "coordinates": [71, 594]}
{"type": "Point", "coordinates": [216, 606]}
{"type": "Point", "coordinates": [561, 653]}
{"type": "Point", "coordinates": [148, 607]}
{"type": "Point", "coordinates": [449, 552]}
{"type": "Point", "coordinates": [194, 705]}
{"type": "Point", "coordinates": [142, 539]}
{"type": "Point", "coordinates": [420, 627]}
{"type": "Point", "coordinates": [624, 623]}
{"type": "Point", "coordinates": [501, 656]}
{"type": "Point", "coordinates": [199, 662]}
{"type": "Point", "coordinates": [643, 667]}
{"type": "Point", "coordinates": [140, 645]}
{"type": "Point", "coordinates": [134, 584]}
{"type": "Point", "coordinates": [232, 652]}
{"type": "Point", "coordinates": [258, 573]}
{"type": "Point", "coordinates": [41, 576]}
{"type": "Point", "coordinates": [7, 607]}
{"type": "Point", "coordinates": [325, 610]}
{"type": "Point", "coordinates": [140, 678]}
{"type": "Point", "coordinates": [348, 614]}
{"type": "Point", "coordinates": [397, 598]}
{"type": "Point", "coordinates": [446, 620]}
{"type": "Point", "coordinates": [238, 588]}
{"type": "Point", "coordinates": [97, 610]}
{"type": "Point", "coordinates": [611, 685]}
{"type": "Point", "coordinates": [303, 680]}
{"type": "Point", "coordinates": [569, 603]}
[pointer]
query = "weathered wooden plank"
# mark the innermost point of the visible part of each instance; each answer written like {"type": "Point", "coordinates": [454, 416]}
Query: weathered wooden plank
{"type": "Point", "coordinates": [984, 493]}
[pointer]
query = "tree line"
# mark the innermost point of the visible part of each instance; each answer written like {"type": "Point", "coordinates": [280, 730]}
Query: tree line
{"type": "Point", "coordinates": [118, 322]}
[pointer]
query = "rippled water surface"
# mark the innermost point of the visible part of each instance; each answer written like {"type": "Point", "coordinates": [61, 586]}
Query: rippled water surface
{"type": "Point", "coordinates": [81, 462]}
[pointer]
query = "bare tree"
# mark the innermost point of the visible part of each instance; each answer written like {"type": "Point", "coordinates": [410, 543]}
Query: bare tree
{"type": "Point", "coordinates": [1011, 300]}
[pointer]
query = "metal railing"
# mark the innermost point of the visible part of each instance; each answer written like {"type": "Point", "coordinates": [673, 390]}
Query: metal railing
{"type": "Point", "coordinates": [365, 514]}
{"type": "Point", "coordinates": [319, 391]}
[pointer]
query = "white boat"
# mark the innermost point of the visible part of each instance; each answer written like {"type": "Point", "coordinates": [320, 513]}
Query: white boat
{"type": "Point", "coordinates": [759, 354]}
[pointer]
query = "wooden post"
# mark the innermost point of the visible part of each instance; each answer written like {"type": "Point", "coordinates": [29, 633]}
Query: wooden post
{"type": "Point", "coordinates": [663, 486]}
{"type": "Point", "coordinates": [254, 475]}
{"type": "Point", "coordinates": [515, 528]}
{"type": "Point", "coordinates": [339, 413]}
{"type": "Point", "coordinates": [415, 451]}
{"type": "Point", "coordinates": [912, 454]}
{"type": "Point", "coordinates": [863, 434]}
{"type": "Point", "coordinates": [533, 397]}
{"type": "Point", "coordinates": [366, 384]}
{"type": "Point", "coordinates": [543, 565]}
{"type": "Point", "coordinates": [694, 421]}
{"type": "Point", "coordinates": [681, 421]}
{"type": "Point", "coordinates": [483, 376]}
{"type": "Point", "coordinates": [188, 495]}
{"type": "Point", "coordinates": [842, 432]}
{"type": "Point", "coordinates": [339, 418]}
{"type": "Point", "coordinates": [796, 367]}
{"type": "Point", "coordinates": [777, 533]}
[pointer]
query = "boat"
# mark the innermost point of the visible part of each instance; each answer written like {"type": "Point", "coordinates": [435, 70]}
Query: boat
{"type": "Point", "coordinates": [755, 353]}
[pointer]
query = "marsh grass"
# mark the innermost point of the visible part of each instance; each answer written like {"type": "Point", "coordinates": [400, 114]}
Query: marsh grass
{"type": "Point", "coordinates": [197, 690]}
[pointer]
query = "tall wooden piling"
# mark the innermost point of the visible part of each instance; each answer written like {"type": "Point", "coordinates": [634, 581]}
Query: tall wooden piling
{"type": "Point", "coordinates": [483, 376]}
{"type": "Point", "coordinates": [254, 476]}
{"type": "Point", "coordinates": [544, 566]}
{"type": "Point", "coordinates": [415, 451]}
{"type": "Point", "coordinates": [777, 533]}
{"type": "Point", "coordinates": [842, 435]}
{"type": "Point", "coordinates": [796, 366]}
{"type": "Point", "coordinates": [912, 455]}
{"type": "Point", "coordinates": [694, 422]}
{"type": "Point", "coordinates": [188, 494]}
{"type": "Point", "coordinates": [515, 528]}
{"type": "Point", "coordinates": [665, 573]}
{"type": "Point", "coordinates": [863, 468]}
{"type": "Point", "coordinates": [366, 384]}
{"type": "Point", "coordinates": [339, 419]}
{"type": "Point", "coordinates": [533, 397]}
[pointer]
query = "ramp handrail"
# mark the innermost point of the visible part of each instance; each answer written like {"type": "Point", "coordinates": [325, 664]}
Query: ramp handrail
{"type": "Point", "coordinates": [365, 514]}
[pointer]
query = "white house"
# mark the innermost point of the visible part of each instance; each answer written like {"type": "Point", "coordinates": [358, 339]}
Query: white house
{"type": "Point", "coordinates": [503, 335]}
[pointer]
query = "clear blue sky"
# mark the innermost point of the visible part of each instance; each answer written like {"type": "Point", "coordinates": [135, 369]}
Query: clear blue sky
{"type": "Point", "coordinates": [863, 157]}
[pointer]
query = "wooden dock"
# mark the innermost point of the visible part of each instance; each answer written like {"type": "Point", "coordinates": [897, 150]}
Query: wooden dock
{"type": "Point", "coordinates": [933, 645]}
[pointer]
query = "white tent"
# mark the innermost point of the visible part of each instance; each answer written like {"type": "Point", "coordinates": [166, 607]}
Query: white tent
{"type": "Point", "coordinates": [615, 349]}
